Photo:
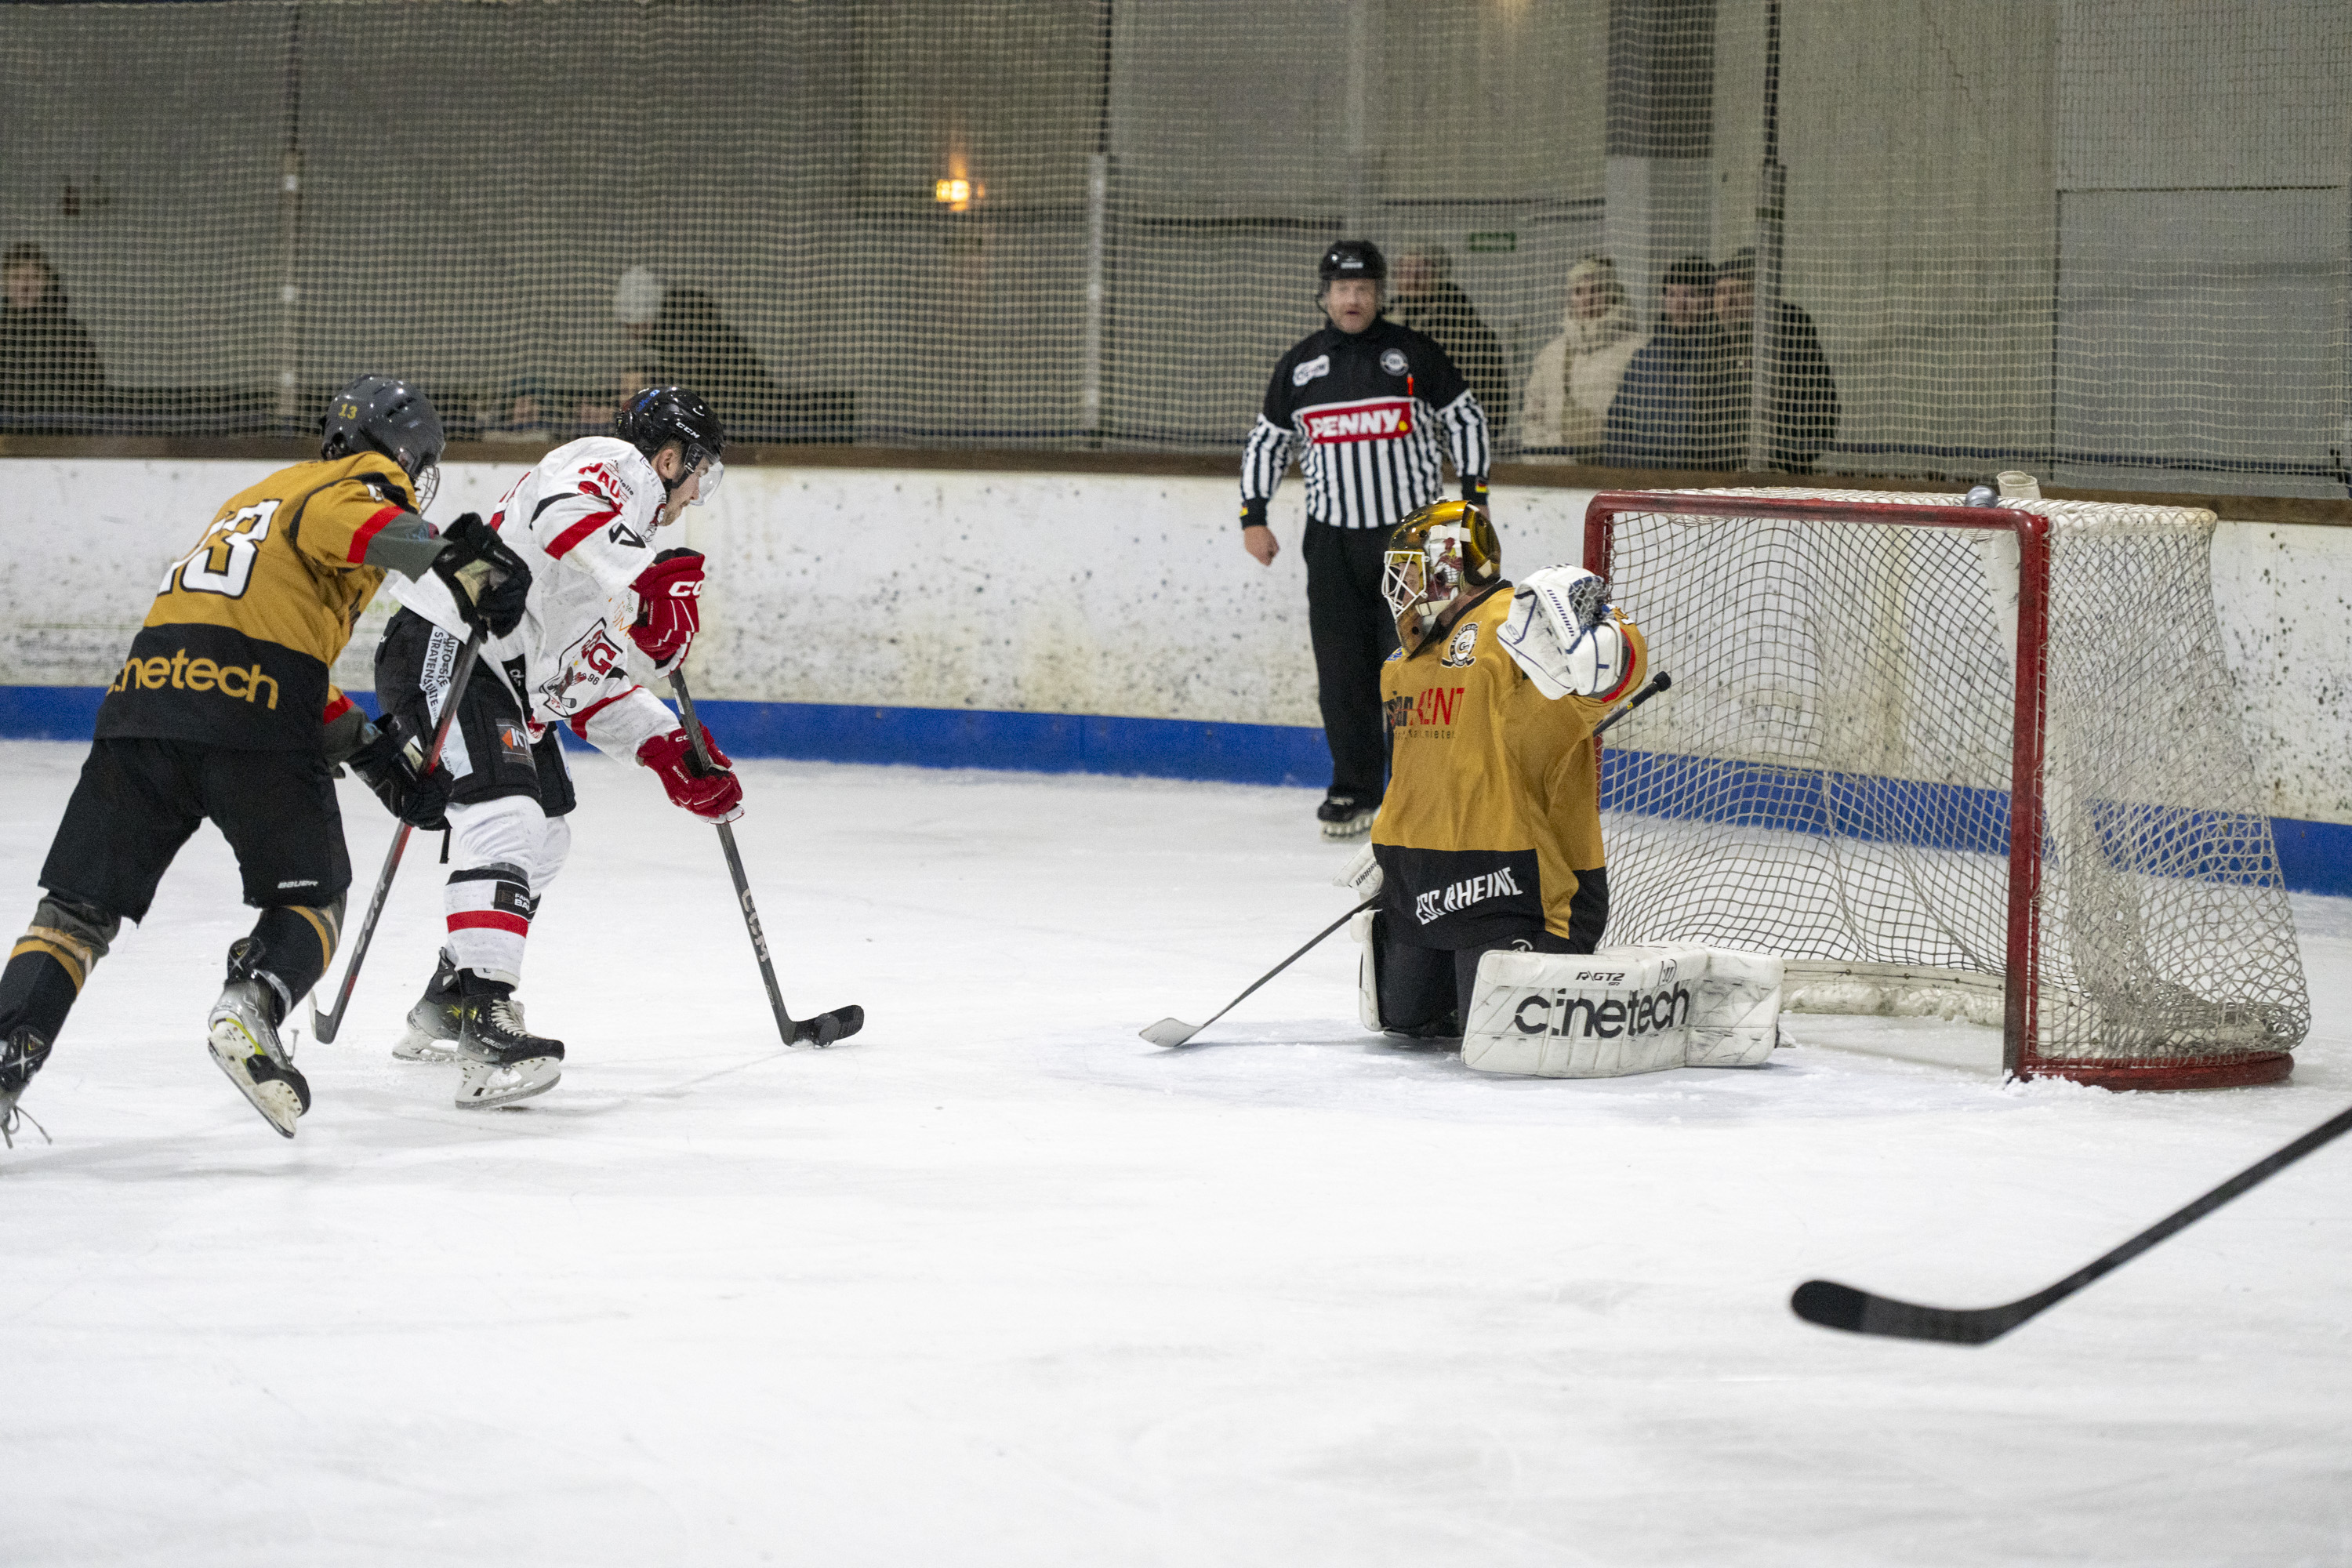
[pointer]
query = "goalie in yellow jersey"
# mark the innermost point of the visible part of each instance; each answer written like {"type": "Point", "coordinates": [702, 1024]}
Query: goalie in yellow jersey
{"type": "Point", "coordinates": [1489, 836]}
{"type": "Point", "coordinates": [223, 709]}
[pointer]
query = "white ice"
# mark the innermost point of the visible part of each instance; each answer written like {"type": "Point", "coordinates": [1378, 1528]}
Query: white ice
{"type": "Point", "coordinates": [998, 1283]}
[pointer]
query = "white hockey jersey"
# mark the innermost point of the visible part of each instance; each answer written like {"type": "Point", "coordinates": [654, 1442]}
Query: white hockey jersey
{"type": "Point", "coordinates": [583, 521]}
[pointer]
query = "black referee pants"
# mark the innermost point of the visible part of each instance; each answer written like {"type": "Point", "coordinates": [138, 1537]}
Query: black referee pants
{"type": "Point", "coordinates": [1350, 625]}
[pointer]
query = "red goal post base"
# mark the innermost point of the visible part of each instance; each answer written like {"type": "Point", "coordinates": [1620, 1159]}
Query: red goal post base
{"type": "Point", "coordinates": [2235, 1072]}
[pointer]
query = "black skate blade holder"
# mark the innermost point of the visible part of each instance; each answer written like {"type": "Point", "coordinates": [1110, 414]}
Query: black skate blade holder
{"type": "Point", "coordinates": [824, 1029]}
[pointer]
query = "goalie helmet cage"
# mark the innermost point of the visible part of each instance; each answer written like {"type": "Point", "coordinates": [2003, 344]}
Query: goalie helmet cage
{"type": "Point", "coordinates": [1954, 761]}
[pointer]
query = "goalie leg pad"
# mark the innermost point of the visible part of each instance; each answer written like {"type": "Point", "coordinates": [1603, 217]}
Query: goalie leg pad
{"type": "Point", "coordinates": [1620, 1011]}
{"type": "Point", "coordinates": [1366, 928]}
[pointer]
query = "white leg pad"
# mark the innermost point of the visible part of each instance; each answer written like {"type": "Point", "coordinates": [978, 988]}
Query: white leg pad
{"type": "Point", "coordinates": [1367, 985]}
{"type": "Point", "coordinates": [1622, 1011]}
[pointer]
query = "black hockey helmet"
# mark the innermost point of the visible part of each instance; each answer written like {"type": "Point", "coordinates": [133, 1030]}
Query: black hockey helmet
{"type": "Point", "coordinates": [384, 414]}
{"type": "Point", "coordinates": [1353, 259]}
{"type": "Point", "coordinates": [659, 415]}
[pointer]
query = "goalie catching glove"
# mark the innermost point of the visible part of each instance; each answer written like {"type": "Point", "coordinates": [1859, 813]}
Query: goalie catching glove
{"type": "Point", "coordinates": [488, 580]}
{"type": "Point", "coordinates": [713, 797]}
{"type": "Point", "coordinates": [669, 607]}
{"type": "Point", "coordinates": [1566, 636]}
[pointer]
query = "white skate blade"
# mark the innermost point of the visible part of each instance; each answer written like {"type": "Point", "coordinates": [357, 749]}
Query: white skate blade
{"type": "Point", "coordinates": [487, 1085]}
{"type": "Point", "coordinates": [1355, 826]}
{"type": "Point", "coordinates": [230, 1047]}
{"type": "Point", "coordinates": [418, 1047]}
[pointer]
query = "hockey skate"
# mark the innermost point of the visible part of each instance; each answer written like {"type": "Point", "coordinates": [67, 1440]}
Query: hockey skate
{"type": "Point", "coordinates": [21, 1055]}
{"type": "Point", "coordinates": [436, 1021]}
{"type": "Point", "coordinates": [1346, 816]}
{"type": "Point", "coordinates": [242, 1035]}
{"type": "Point", "coordinates": [503, 1061]}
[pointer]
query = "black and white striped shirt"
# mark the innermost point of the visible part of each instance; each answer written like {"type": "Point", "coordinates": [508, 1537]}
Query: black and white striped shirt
{"type": "Point", "coordinates": [1359, 412]}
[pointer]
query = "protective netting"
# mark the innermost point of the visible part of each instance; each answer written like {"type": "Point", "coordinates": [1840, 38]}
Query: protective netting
{"type": "Point", "coordinates": [2102, 239]}
{"type": "Point", "coordinates": [1830, 777]}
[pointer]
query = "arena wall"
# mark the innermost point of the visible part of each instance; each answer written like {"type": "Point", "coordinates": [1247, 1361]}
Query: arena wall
{"type": "Point", "coordinates": [1069, 621]}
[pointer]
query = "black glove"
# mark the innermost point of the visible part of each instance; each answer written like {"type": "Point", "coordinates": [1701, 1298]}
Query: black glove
{"type": "Point", "coordinates": [488, 581]}
{"type": "Point", "coordinates": [391, 760]}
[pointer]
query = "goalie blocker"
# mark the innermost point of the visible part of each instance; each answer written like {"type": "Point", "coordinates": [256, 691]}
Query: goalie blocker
{"type": "Point", "coordinates": [1607, 1013]}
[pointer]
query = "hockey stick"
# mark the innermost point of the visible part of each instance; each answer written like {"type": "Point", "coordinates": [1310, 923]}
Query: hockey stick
{"type": "Point", "coordinates": [1835, 1306]}
{"type": "Point", "coordinates": [324, 1024]}
{"type": "Point", "coordinates": [825, 1028]}
{"type": "Point", "coordinates": [1657, 683]}
{"type": "Point", "coordinates": [1176, 1031]}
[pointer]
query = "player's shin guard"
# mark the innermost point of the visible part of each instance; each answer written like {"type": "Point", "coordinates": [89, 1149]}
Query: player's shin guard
{"type": "Point", "coordinates": [50, 963]}
{"type": "Point", "coordinates": [297, 941]}
{"type": "Point", "coordinates": [490, 909]}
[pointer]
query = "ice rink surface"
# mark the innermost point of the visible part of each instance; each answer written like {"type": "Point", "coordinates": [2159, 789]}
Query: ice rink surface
{"type": "Point", "coordinates": [998, 1283]}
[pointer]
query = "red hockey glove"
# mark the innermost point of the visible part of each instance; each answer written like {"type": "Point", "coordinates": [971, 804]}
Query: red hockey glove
{"type": "Point", "coordinates": [669, 605]}
{"type": "Point", "coordinates": [714, 797]}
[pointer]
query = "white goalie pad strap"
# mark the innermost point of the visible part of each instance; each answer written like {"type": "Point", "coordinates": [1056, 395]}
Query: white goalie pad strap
{"type": "Point", "coordinates": [1367, 971]}
{"type": "Point", "coordinates": [1546, 639]}
{"type": "Point", "coordinates": [1622, 1011]}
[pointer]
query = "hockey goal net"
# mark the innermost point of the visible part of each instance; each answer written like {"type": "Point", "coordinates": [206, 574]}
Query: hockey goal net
{"type": "Point", "coordinates": [1979, 762]}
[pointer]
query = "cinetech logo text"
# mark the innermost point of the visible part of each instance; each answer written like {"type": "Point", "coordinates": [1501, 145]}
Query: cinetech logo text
{"type": "Point", "coordinates": [239, 683]}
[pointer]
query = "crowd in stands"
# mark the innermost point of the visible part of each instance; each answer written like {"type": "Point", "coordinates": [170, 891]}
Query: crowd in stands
{"type": "Point", "coordinates": [1678, 394]}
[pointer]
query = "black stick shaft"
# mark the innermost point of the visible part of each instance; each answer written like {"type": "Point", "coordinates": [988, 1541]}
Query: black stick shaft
{"type": "Point", "coordinates": [325, 1024]}
{"type": "Point", "coordinates": [1657, 683]}
{"type": "Point", "coordinates": [2181, 1218]}
{"type": "Point", "coordinates": [784, 1024]}
{"type": "Point", "coordinates": [1303, 952]}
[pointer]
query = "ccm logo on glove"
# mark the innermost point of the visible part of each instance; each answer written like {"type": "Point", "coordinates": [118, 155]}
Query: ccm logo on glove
{"type": "Point", "coordinates": [669, 605]}
{"type": "Point", "coordinates": [714, 797]}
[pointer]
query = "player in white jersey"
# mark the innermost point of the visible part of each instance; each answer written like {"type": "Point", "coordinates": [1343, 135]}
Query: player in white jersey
{"type": "Point", "coordinates": [585, 521]}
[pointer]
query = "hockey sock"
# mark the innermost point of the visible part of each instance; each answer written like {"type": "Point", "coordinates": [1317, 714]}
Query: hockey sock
{"type": "Point", "coordinates": [490, 909]}
{"type": "Point", "coordinates": [297, 941]}
{"type": "Point", "coordinates": [49, 963]}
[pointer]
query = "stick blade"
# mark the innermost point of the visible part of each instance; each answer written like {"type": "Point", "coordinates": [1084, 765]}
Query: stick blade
{"type": "Point", "coordinates": [1836, 1306]}
{"type": "Point", "coordinates": [1170, 1032]}
{"type": "Point", "coordinates": [826, 1028]}
{"type": "Point", "coordinates": [323, 1025]}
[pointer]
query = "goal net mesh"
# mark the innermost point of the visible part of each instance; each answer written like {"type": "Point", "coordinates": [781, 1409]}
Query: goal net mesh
{"type": "Point", "coordinates": [1828, 776]}
{"type": "Point", "coordinates": [2103, 240]}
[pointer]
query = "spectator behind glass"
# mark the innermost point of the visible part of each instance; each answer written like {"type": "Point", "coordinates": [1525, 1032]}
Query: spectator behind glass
{"type": "Point", "coordinates": [1575, 375]}
{"type": "Point", "coordinates": [1800, 394]}
{"type": "Point", "coordinates": [1427, 298]}
{"type": "Point", "coordinates": [48, 366]}
{"type": "Point", "coordinates": [1670, 410]}
{"type": "Point", "coordinates": [677, 337]}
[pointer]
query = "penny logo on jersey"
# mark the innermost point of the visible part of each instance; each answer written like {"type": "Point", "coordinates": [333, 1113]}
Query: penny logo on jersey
{"type": "Point", "coordinates": [581, 669]}
{"type": "Point", "coordinates": [1375, 419]}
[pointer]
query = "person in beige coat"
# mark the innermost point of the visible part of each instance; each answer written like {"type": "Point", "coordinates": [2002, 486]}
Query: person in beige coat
{"type": "Point", "coordinates": [1575, 375]}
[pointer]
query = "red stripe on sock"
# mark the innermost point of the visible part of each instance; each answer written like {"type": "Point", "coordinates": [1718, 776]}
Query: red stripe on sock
{"type": "Point", "coordinates": [489, 920]}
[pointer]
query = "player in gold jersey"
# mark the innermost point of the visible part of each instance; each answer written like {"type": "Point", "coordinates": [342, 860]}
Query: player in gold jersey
{"type": "Point", "coordinates": [223, 709]}
{"type": "Point", "coordinates": [1489, 835]}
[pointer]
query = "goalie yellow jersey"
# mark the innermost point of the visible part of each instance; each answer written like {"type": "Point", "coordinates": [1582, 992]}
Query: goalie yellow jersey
{"type": "Point", "coordinates": [1494, 797]}
{"type": "Point", "coordinates": [245, 627]}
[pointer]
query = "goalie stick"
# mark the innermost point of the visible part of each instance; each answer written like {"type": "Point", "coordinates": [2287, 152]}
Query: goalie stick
{"type": "Point", "coordinates": [1835, 1306]}
{"type": "Point", "coordinates": [1171, 1032]}
{"type": "Point", "coordinates": [825, 1028]}
{"type": "Point", "coordinates": [323, 1025]}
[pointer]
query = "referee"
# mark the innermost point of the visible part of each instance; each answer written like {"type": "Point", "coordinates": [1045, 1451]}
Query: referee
{"type": "Point", "coordinates": [1357, 402]}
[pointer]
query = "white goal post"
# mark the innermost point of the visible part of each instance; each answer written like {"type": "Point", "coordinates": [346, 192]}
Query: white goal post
{"type": "Point", "coordinates": [1985, 763]}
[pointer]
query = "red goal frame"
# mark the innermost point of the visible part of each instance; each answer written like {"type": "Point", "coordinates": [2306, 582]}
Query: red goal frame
{"type": "Point", "coordinates": [2020, 1054]}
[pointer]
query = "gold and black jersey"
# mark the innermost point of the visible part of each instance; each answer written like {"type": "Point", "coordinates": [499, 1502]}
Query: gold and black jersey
{"type": "Point", "coordinates": [245, 626]}
{"type": "Point", "coordinates": [1494, 797]}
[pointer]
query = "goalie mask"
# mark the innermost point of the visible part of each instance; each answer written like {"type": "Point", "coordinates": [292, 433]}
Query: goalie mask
{"type": "Point", "coordinates": [1442, 552]}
